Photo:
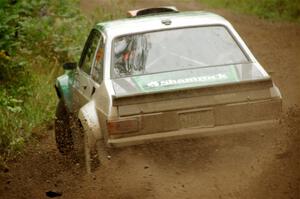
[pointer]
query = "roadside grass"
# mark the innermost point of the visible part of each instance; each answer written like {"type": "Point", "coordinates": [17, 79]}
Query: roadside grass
{"type": "Point", "coordinates": [34, 44]}
{"type": "Point", "coordinates": [288, 10]}
{"type": "Point", "coordinates": [48, 35]}
{"type": "Point", "coordinates": [111, 10]}
{"type": "Point", "coordinates": [30, 110]}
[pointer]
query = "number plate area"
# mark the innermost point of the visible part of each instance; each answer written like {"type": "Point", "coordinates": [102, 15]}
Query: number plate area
{"type": "Point", "coordinates": [197, 118]}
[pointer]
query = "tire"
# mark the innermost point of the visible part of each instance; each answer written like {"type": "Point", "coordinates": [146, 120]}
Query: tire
{"type": "Point", "coordinates": [72, 141]}
{"type": "Point", "coordinates": [63, 132]}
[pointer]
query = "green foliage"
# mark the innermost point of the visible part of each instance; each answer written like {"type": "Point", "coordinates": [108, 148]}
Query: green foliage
{"type": "Point", "coordinates": [269, 9]}
{"type": "Point", "coordinates": [21, 109]}
{"type": "Point", "coordinates": [8, 41]}
{"type": "Point", "coordinates": [36, 37]}
{"type": "Point", "coordinates": [58, 34]}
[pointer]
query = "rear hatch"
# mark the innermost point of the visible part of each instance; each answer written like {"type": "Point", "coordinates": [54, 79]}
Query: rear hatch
{"type": "Point", "coordinates": [201, 97]}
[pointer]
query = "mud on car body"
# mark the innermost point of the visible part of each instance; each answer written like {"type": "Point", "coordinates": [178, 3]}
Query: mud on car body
{"type": "Point", "coordinates": [162, 76]}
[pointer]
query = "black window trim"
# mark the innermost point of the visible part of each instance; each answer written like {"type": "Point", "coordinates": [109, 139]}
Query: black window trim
{"type": "Point", "coordinates": [86, 46]}
{"type": "Point", "coordinates": [92, 69]}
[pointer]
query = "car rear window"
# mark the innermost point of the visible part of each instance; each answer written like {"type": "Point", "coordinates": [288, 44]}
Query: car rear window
{"type": "Point", "coordinates": [175, 49]}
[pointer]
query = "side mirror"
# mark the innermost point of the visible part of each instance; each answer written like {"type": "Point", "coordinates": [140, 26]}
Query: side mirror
{"type": "Point", "coordinates": [70, 66]}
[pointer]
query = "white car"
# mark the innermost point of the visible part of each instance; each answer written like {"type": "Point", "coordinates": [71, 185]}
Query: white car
{"type": "Point", "coordinates": [162, 74]}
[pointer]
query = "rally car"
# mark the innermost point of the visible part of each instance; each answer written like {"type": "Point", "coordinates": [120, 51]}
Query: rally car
{"type": "Point", "coordinates": [162, 74]}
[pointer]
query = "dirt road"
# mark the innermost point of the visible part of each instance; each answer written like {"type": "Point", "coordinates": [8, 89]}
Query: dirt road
{"type": "Point", "coordinates": [254, 165]}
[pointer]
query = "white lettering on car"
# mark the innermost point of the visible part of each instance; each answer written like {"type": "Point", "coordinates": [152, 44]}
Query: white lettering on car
{"type": "Point", "coordinates": [169, 82]}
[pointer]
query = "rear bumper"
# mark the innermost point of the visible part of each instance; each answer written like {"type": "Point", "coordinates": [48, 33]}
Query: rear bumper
{"type": "Point", "coordinates": [193, 132]}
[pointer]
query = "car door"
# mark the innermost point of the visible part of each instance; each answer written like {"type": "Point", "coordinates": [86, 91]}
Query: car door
{"type": "Point", "coordinates": [83, 83]}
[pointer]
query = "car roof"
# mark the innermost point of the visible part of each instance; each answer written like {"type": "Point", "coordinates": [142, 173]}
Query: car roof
{"type": "Point", "coordinates": [159, 22]}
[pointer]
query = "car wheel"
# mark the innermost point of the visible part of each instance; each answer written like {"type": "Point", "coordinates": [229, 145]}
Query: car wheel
{"type": "Point", "coordinates": [63, 132]}
{"type": "Point", "coordinates": [71, 140]}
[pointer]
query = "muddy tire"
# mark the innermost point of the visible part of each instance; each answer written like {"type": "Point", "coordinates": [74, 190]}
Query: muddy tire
{"type": "Point", "coordinates": [63, 132]}
{"type": "Point", "coordinates": [84, 152]}
{"type": "Point", "coordinates": [72, 141]}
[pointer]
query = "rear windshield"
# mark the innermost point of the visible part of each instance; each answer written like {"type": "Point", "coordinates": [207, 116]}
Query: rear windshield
{"type": "Point", "coordinates": [176, 49]}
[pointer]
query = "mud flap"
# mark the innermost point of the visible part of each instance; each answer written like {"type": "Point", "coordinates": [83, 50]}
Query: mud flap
{"type": "Point", "coordinates": [92, 132]}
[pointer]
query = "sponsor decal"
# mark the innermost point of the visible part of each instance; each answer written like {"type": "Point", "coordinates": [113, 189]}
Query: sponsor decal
{"type": "Point", "coordinates": [183, 79]}
{"type": "Point", "coordinates": [188, 80]}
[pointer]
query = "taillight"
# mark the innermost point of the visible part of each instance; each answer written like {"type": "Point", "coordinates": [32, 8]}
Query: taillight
{"type": "Point", "coordinates": [123, 126]}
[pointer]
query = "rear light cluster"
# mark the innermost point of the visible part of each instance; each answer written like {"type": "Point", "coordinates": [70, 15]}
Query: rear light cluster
{"type": "Point", "coordinates": [123, 126]}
